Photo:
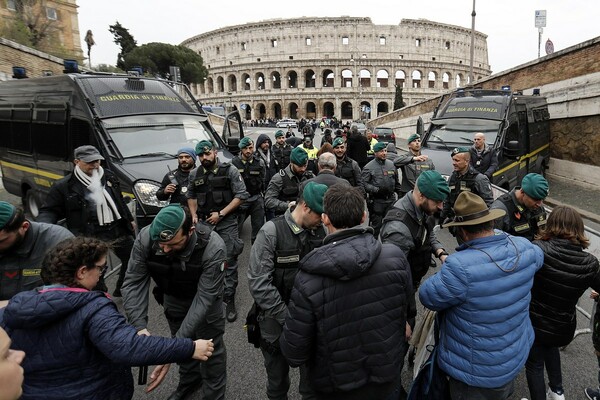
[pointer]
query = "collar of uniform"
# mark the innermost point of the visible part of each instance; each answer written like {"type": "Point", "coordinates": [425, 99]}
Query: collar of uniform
{"type": "Point", "coordinates": [296, 229]}
{"type": "Point", "coordinates": [412, 209]}
{"type": "Point", "coordinates": [382, 162]}
{"type": "Point", "coordinates": [28, 242]}
{"type": "Point", "coordinates": [214, 171]}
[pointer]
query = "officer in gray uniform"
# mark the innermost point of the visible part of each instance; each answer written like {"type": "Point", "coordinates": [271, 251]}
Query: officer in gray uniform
{"type": "Point", "coordinates": [525, 212]}
{"type": "Point", "coordinates": [175, 183]}
{"type": "Point", "coordinates": [284, 188]}
{"type": "Point", "coordinates": [412, 164]}
{"type": "Point", "coordinates": [252, 169]}
{"type": "Point", "coordinates": [346, 167]}
{"type": "Point", "coordinates": [280, 245]}
{"type": "Point", "coordinates": [215, 192]}
{"type": "Point", "coordinates": [380, 181]}
{"type": "Point", "coordinates": [186, 262]}
{"type": "Point", "coordinates": [23, 245]}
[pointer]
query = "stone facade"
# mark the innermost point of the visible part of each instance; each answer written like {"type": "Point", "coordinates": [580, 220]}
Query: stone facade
{"type": "Point", "coordinates": [346, 66]}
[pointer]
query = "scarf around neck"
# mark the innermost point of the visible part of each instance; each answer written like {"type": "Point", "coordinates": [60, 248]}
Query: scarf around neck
{"type": "Point", "coordinates": [106, 209]}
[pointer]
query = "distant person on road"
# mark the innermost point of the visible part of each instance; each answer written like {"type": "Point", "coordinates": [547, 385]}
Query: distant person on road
{"type": "Point", "coordinates": [91, 202]}
{"type": "Point", "coordinates": [326, 137]}
{"type": "Point", "coordinates": [392, 152]}
{"type": "Point", "coordinates": [289, 133]}
{"type": "Point", "coordinates": [78, 344]}
{"type": "Point", "coordinates": [175, 191]}
{"type": "Point", "coordinates": [347, 314]}
{"type": "Point", "coordinates": [186, 262]}
{"type": "Point", "coordinates": [274, 258]}
{"type": "Point", "coordinates": [524, 206]}
{"type": "Point", "coordinates": [23, 245]}
{"type": "Point", "coordinates": [372, 141]}
{"type": "Point", "coordinates": [483, 157]}
{"type": "Point", "coordinates": [567, 273]}
{"type": "Point", "coordinates": [482, 296]}
{"type": "Point", "coordinates": [412, 164]}
{"type": "Point", "coordinates": [265, 151]}
{"type": "Point", "coordinates": [281, 151]}
{"type": "Point", "coordinates": [357, 147]}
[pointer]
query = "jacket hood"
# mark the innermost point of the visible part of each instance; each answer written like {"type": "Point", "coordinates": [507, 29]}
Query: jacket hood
{"type": "Point", "coordinates": [345, 255]}
{"type": "Point", "coordinates": [34, 309]}
{"type": "Point", "coordinates": [263, 138]}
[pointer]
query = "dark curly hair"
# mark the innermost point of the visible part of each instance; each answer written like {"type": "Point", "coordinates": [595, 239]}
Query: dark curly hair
{"type": "Point", "coordinates": [62, 262]}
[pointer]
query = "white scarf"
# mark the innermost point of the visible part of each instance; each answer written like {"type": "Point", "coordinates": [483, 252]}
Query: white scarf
{"type": "Point", "coordinates": [106, 208]}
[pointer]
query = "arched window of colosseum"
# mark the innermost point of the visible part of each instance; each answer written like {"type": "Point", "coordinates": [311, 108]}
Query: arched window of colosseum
{"type": "Point", "coordinates": [382, 40]}
{"type": "Point", "coordinates": [292, 77]}
{"type": "Point", "coordinates": [400, 78]}
{"type": "Point", "coordinates": [210, 85]}
{"type": "Point", "coordinates": [261, 111]}
{"type": "Point", "coordinates": [347, 110]}
{"type": "Point", "coordinates": [276, 110]}
{"type": "Point", "coordinates": [220, 84]}
{"type": "Point", "coordinates": [365, 78]}
{"type": "Point", "coordinates": [309, 78]}
{"type": "Point", "coordinates": [365, 110]}
{"type": "Point", "coordinates": [416, 79]}
{"type": "Point", "coordinates": [347, 76]}
{"type": "Point", "coordinates": [447, 45]}
{"type": "Point", "coordinates": [293, 110]}
{"type": "Point", "coordinates": [446, 80]}
{"type": "Point", "coordinates": [383, 108]}
{"type": "Point", "coordinates": [246, 81]}
{"type": "Point", "coordinates": [328, 109]}
{"type": "Point", "coordinates": [232, 83]}
{"type": "Point", "coordinates": [432, 78]}
{"type": "Point", "coordinates": [458, 80]}
{"type": "Point", "coordinates": [382, 78]}
{"type": "Point", "coordinates": [308, 41]}
{"type": "Point", "coordinates": [328, 78]}
{"type": "Point", "coordinates": [276, 80]}
{"type": "Point", "coordinates": [311, 110]}
{"type": "Point", "coordinates": [260, 81]}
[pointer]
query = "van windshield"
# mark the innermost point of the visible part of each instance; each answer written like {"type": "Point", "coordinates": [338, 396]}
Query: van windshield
{"type": "Point", "coordinates": [461, 134]}
{"type": "Point", "coordinates": [157, 134]}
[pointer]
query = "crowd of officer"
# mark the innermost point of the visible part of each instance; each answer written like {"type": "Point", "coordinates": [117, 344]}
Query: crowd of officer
{"type": "Point", "coordinates": [190, 250]}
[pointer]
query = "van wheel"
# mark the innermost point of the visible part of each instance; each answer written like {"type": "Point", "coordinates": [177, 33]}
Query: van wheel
{"type": "Point", "coordinates": [32, 207]}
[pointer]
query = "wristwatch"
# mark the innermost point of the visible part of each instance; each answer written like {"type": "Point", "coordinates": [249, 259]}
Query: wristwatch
{"type": "Point", "coordinates": [221, 215]}
{"type": "Point", "coordinates": [442, 253]}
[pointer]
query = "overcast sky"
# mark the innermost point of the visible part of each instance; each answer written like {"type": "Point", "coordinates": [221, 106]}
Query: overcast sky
{"type": "Point", "coordinates": [509, 24]}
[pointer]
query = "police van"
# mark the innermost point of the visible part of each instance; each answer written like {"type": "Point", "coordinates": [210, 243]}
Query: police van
{"type": "Point", "coordinates": [138, 124]}
{"type": "Point", "coordinates": [516, 126]}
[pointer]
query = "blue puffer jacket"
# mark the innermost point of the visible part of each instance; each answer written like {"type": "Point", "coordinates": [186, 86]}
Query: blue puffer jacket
{"type": "Point", "coordinates": [78, 346]}
{"type": "Point", "coordinates": [486, 332]}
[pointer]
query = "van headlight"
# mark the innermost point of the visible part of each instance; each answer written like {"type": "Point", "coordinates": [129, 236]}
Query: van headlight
{"type": "Point", "coordinates": [145, 193]}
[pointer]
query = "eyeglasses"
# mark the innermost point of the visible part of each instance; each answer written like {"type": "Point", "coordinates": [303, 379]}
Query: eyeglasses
{"type": "Point", "coordinates": [102, 268]}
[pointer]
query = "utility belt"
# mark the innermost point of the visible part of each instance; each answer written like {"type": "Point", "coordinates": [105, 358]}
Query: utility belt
{"type": "Point", "coordinates": [106, 231]}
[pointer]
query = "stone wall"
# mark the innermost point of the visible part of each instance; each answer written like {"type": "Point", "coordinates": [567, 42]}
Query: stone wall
{"type": "Point", "coordinates": [35, 62]}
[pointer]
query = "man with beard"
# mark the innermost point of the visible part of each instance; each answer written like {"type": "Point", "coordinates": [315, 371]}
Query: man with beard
{"type": "Point", "coordinates": [346, 167]}
{"type": "Point", "coordinates": [311, 150]}
{"type": "Point", "coordinates": [23, 245]}
{"type": "Point", "coordinates": [265, 152]}
{"type": "Point", "coordinates": [186, 262]}
{"type": "Point", "coordinates": [284, 187]}
{"type": "Point", "coordinates": [252, 170]}
{"type": "Point", "coordinates": [281, 151]}
{"type": "Point", "coordinates": [412, 164]}
{"type": "Point", "coordinates": [90, 201]}
{"type": "Point", "coordinates": [175, 191]}
{"type": "Point", "coordinates": [215, 192]}
{"type": "Point", "coordinates": [274, 258]}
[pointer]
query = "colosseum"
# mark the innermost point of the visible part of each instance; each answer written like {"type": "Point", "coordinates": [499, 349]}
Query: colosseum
{"type": "Point", "coordinates": [346, 67]}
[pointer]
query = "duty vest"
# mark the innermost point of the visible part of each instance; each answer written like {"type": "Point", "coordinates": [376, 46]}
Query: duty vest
{"type": "Point", "coordinates": [174, 276]}
{"type": "Point", "coordinates": [462, 184]}
{"type": "Point", "coordinates": [290, 188]}
{"type": "Point", "coordinates": [419, 257]}
{"type": "Point", "coordinates": [344, 170]}
{"type": "Point", "coordinates": [251, 173]}
{"type": "Point", "coordinates": [282, 155]}
{"type": "Point", "coordinates": [289, 251]}
{"type": "Point", "coordinates": [213, 191]}
{"type": "Point", "coordinates": [523, 222]}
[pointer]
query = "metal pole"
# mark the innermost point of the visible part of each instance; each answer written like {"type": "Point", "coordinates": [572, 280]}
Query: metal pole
{"type": "Point", "coordinates": [540, 30]}
{"type": "Point", "coordinates": [472, 43]}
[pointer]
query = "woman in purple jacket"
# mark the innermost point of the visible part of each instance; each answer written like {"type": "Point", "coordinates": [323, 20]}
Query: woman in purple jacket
{"type": "Point", "coordinates": [77, 343]}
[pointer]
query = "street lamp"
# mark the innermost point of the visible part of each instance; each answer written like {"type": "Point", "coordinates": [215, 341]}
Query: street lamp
{"type": "Point", "coordinates": [229, 94]}
{"type": "Point", "coordinates": [473, 13]}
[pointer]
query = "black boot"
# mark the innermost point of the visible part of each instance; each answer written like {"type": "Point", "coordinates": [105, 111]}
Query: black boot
{"type": "Point", "coordinates": [117, 291]}
{"type": "Point", "coordinates": [230, 311]}
{"type": "Point", "coordinates": [183, 392]}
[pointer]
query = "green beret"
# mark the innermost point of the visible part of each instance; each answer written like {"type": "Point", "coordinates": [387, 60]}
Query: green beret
{"type": "Point", "coordinates": [535, 186]}
{"type": "Point", "coordinates": [279, 133]}
{"type": "Point", "coordinates": [338, 141]}
{"type": "Point", "coordinates": [299, 156]}
{"type": "Point", "coordinates": [167, 223]}
{"type": "Point", "coordinates": [413, 137]}
{"type": "Point", "coordinates": [245, 142]}
{"type": "Point", "coordinates": [433, 185]}
{"type": "Point", "coordinates": [7, 212]}
{"type": "Point", "coordinates": [458, 150]}
{"type": "Point", "coordinates": [379, 146]}
{"type": "Point", "coordinates": [313, 194]}
{"type": "Point", "coordinates": [204, 146]}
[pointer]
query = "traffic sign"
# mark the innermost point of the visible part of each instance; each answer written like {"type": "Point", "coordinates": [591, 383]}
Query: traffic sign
{"type": "Point", "coordinates": [549, 47]}
{"type": "Point", "coordinates": [243, 106]}
{"type": "Point", "coordinates": [540, 18]}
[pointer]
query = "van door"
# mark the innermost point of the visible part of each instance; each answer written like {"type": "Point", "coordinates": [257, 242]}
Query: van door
{"type": "Point", "coordinates": [233, 131]}
{"type": "Point", "coordinates": [523, 141]}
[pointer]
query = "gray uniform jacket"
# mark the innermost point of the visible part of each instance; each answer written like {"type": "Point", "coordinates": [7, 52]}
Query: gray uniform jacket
{"type": "Point", "coordinates": [397, 232]}
{"type": "Point", "coordinates": [380, 177]}
{"type": "Point", "coordinates": [207, 304]}
{"type": "Point", "coordinates": [274, 189]}
{"type": "Point", "coordinates": [411, 170]}
{"type": "Point", "coordinates": [20, 267]}
{"type": "Point", "coordinates": [238, 187]}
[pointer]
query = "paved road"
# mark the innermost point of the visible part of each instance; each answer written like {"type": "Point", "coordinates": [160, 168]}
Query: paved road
{"type": "Point", "coordinates": [246, 373]}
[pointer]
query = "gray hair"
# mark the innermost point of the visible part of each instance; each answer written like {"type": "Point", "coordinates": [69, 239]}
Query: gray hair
{"type": "Point", "coordinates": [327, 161]}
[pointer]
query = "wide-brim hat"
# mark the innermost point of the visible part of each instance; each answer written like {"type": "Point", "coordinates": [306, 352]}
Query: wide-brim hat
{"type": "Point", "coordinates": [470, 209]}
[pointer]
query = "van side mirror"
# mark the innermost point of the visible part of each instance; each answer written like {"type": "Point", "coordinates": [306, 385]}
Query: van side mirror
{"type": "Point", "coordinates": [232, 145]}
{"type": "Point", "coordinates": [512, 149]}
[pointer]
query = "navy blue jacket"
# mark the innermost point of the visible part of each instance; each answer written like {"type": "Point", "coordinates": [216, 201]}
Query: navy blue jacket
{"type": "Point", "coordinates": [78, 346]}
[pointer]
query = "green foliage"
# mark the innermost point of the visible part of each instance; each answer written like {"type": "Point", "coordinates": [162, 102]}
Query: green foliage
{"type": "Point", "coordinates": [398, 100]}
{"type": "Point", "coordinates": [108, 68]}
{"type": "Point", "coordinates": [123, 38]}
{"type": "Point", "coordinates": [18, 32]}
{"type": "Point", "coordinates": [156, 58]}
